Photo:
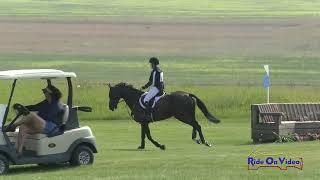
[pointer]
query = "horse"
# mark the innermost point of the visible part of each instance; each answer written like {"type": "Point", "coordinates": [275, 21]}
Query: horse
{"type": "Point", "coordinates": [179, 104]}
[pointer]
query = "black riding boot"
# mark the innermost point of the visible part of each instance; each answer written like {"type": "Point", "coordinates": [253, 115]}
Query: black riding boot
{"type": "Point", "coordinates": [148, 111]}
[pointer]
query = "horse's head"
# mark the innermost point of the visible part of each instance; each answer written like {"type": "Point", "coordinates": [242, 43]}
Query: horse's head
{"type": "Point", "coordinates": [118, 92]}
{"type": "Point", "coordinates": [114, 97]}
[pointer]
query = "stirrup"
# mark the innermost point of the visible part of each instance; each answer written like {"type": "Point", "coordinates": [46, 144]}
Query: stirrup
{"type": "Point", "coordinates": [149, 116]}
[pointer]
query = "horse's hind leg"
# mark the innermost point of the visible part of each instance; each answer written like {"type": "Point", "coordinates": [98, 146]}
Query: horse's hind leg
{"type": "Point", "coordinates": [188, 116]}
{"type": "Point", "coordinates": [147, 131]}
{"type": "Point", "coordinates": [194, 136]}
{"type": "Point", "coordinates": [197, 126]}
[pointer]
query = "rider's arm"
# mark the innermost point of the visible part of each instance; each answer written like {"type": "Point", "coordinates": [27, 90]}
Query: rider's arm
{"type": "Point", "coordinates": [35, 107]}
{"type": "Point", "coordinates": [150, 81]}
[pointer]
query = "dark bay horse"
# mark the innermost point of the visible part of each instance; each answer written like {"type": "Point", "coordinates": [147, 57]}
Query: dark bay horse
{"type": "Point", "coordinates": [180, 105]}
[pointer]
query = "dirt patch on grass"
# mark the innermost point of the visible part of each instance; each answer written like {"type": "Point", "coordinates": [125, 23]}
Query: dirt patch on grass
{"type": "Point", "coordinates": [278, 37]}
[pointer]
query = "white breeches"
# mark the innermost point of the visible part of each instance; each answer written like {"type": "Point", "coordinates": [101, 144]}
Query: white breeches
{"type": "Point", "coordinates": [153, 91]}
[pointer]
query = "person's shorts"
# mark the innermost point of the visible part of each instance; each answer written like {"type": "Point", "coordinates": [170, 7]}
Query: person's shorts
{"type": "Point", "coordinates": [50, 127]}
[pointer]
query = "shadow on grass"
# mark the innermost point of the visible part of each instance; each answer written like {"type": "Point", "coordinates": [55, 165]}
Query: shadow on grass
{"type": "Point", "coordinates": [131, 150]}
{"type": "Point", "coordinates": [16, 170]}
{"type": "Point", "coordinates": [258, 143]}
{"type": "Point", "coordinates": [247, 143]}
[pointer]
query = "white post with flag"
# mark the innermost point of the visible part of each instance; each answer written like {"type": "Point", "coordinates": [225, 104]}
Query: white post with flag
{"type": "Point", "coordinates": [266, 81]}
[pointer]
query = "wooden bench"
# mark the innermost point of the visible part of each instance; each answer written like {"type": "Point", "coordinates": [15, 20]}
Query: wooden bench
{"type": "Point", "coordinates": [269, 121]}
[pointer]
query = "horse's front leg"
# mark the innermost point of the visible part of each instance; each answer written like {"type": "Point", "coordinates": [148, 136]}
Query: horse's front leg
{"type": "Point", "coordinates": [147, 132]}
{"type": "Point", "coordinates": [143, 136]}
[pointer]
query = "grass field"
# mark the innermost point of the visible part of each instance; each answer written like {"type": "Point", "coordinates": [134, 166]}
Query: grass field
{"type": "Point", "coordinates": [118, 136]}
{"type": "Point", "coordinates": [202, 71]}
{"type": "Point", "coordinates": [214, 49]}
{"type": "Point", "coordinates": [160, 9]}
{"type": "Point", "coordinates": [183, 159]}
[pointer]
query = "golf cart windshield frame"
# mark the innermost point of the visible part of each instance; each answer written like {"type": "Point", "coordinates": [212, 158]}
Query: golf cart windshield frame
{"type": "Point", "coordinates": [69, 102]}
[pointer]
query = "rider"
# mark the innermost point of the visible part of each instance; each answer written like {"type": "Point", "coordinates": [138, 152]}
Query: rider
{"type": "Point", "coordinates": [155, 83]}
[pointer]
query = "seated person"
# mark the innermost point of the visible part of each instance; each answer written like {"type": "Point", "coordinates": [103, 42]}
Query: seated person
{"type": "Point", "coordinates": [45, 121]}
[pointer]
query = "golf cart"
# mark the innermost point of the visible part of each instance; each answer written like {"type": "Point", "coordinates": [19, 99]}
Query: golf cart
{"type": "Point", "coordinates": [71, 143]}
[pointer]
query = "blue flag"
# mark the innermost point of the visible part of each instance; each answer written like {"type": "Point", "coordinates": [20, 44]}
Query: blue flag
{"type": "Point", "coordinates": [266, 81]}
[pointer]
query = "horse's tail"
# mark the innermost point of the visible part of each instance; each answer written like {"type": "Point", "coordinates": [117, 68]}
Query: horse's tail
{"type": "Point", "coordinates": [204, 109]}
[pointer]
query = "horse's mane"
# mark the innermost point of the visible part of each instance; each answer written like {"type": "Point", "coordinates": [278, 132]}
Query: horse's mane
{"type": "Point", "coordinates": [123, 84]}
{"type": "Point", "coordinates": [127, 85]}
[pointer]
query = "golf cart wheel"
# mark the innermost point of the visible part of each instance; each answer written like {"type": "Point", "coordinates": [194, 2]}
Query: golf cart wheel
{"type": "Point", "coordinates": [82, 155]}
{"type": "Point", "coordinates": [4, 164]}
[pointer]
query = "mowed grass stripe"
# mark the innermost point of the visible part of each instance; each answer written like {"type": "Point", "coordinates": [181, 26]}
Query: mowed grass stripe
{"type": "Point", "coordinates": [223, 101]}
{"type": "Point", "coordinates": [178, 70]}
{"type": "Point", "coordinates": [163, 8]}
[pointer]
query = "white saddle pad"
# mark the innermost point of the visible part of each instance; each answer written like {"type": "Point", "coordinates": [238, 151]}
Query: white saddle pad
{"type": "Point", "coordinates": [156, 99]}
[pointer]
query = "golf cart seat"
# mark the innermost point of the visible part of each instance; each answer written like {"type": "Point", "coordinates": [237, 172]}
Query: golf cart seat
{"type": "Point", "coordinates": [65, 114]}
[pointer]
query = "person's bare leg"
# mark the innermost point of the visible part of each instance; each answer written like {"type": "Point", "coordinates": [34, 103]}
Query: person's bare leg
{"type": "Point", "coordinates": [35, 123]}
{"type": "Point", "coordinates": [29, 119]}
{"type": "Point", "coordinates": [20, 121]}
{"type": "Point", "coordinates": [32, 124]}
{"type": "Point", "coordinates": [23, 133]}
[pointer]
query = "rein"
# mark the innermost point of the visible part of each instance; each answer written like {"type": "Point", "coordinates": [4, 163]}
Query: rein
{"type": "Point", "coordinates": [127, 108]}
{"type": "Point", "coordinates": [129, 111]}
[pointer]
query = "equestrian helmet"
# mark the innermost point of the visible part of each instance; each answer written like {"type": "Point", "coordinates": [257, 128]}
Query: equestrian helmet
{"type": "Point", "coordinates": [154, 61]}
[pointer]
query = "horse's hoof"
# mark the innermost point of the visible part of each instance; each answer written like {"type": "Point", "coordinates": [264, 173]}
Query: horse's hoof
{"type": "Point", "coordinates": [208, 144]}
{"type": "Point", "coordinates": [141, 147]}
{"type": "Point", "coordinates": [198, 141]}
{"type": "Point", "coordinates": [162, 147]}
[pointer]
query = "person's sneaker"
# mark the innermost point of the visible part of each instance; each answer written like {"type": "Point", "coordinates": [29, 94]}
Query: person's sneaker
{"type": "Point", "coordinates": [21, 109]}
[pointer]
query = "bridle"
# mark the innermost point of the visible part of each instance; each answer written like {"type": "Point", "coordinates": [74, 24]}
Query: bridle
{"type": "Point", "coordinates": [129, 111]}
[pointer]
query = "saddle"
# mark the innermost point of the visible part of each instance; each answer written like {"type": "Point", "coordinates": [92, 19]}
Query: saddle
{"type": "Point", "coordinates": [153, 101]}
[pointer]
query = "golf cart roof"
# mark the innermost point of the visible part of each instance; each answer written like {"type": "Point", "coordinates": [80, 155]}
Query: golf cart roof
{"type": "Point", "coordinates": [35, 74]}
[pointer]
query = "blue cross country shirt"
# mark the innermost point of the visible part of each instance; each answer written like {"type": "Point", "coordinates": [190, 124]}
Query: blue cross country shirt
{"type": "Point", "coordinates": [156, 79]}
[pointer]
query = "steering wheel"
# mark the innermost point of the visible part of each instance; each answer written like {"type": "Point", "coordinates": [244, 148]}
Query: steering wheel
{"type": "Point", "coordinates": [21, 110]}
